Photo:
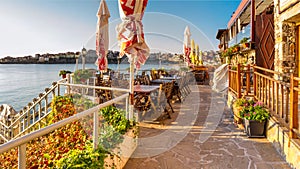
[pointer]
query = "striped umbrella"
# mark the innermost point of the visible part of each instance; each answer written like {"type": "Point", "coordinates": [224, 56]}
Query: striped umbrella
{"type": "Point", "coordinates": [131, 38]}
{"type": "Point", "coordinates": [130, 31]}
{"type": "Point", "coordinates": [187, 44]}
{"type": "Point", "coordinates": [102, 37]}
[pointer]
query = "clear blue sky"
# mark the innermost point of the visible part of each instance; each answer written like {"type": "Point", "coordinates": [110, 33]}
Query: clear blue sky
{"type": "Point", "coordinates": [40, 26]}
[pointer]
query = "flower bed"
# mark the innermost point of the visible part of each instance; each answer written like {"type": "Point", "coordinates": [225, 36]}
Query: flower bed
{"type": "Point", "coordinates": [70, 146]}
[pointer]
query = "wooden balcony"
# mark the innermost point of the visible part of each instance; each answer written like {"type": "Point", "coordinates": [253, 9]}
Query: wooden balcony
{"type": "Point", "coordinates": [280, 96]}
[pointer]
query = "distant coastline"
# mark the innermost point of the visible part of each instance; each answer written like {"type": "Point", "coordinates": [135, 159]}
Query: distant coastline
{"type": "Point", "coordinates": [91, 57]}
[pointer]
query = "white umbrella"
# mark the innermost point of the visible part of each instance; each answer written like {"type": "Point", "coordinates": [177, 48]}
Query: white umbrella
{"type": "Point", "coordinates": [187, 44]}
{"type": "Point", "coordinates": [102, 37]}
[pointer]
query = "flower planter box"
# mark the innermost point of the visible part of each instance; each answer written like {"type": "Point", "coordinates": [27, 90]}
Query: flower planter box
{"type": "Point", "coordinates": [255, 128]}
{"type": "Point", "coordinates": [121, 154]}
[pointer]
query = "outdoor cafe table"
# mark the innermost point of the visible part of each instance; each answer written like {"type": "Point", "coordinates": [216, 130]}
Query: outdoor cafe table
{"type": "Point", "coordinates": [175, 89]}
{"type": "Point", "coordinates": [160, 81]}
{"type": "Point", "coordinates": [171, 78]}
{"type": "Point", "coordinates": [142, 99]}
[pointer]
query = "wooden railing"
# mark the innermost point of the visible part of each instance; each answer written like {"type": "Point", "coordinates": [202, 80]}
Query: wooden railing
{"type": "Point", "coordinates": [240, 80]}
{"type": "Point", "coordinates": [280, 97]}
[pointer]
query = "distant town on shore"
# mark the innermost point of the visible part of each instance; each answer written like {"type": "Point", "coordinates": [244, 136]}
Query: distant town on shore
{"type": "Point", "coordinates": [112, 56]}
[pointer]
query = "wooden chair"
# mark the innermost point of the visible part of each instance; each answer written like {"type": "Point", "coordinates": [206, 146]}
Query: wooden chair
{"type": "Point", "coordinates": [104, 95]}
{"type": "Point", "coordinates": [154, 74]}
{"type": "Point", "coordinates": [164, 98]}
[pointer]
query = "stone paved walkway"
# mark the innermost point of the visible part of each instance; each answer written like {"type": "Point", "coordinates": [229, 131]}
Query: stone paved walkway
{"type": "Point", "coordinates": [201, 134]}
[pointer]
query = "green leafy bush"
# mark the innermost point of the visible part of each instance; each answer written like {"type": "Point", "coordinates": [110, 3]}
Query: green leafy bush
{"type": "Point", "coordinates": [80, 76]}
{"type": "Point", "coordinates": [116, 118]}
{"type": "Point", "coordinates": [86, 158]}
{"type": "Point", "coordinates": [81, 103]}
{"type": "Point", "coordinates": [115, 126]}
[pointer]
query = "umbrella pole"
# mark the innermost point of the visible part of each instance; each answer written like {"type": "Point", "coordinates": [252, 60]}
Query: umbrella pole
{"type": "Point", "coordinates": [131, 89]}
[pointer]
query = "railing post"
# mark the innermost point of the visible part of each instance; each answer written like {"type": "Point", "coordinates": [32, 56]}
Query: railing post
{"type": "Point", "coordinates": [248, 79]}
{"type": "Point", "coordinates": [95, 130]}
{"type": "Point", "coordinates": [293, 107]}
{"type": "Point", "coordinates": [58, 90]}
{"type": "Point", "coordinates": [239, 81]}
{"type": "Point", "coordinates": [254, 80]}
{"type": "Point", "coordinates": [22, 156]}
{"type": "Point", "coordinates": [229, 77]}
{"type": "Point", "coordinates": [68, 82]}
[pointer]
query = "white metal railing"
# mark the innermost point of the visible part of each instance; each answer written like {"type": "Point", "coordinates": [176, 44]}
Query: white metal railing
{"type": "Point", "coordinates": [31, 115]}
{"type": "Point", "coordinates": [21, 141]}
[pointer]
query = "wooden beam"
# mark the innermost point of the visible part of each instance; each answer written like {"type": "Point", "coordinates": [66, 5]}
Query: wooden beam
{"type": "Point", "coordinates": [252, 21]}
{"type": "Point", "coordinates": [238, 80]}
{"type": "Point", "coordinates": [293, 108]}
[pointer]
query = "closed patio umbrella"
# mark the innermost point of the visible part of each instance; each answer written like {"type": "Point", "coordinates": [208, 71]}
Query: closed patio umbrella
{"type": "Point", "coordinates": [197, 55]}
{"type": "Point", "coordinates": [131, 38]}
{"type": "Point", "coordinates": [187, 44]}
{"type": "Point", "coordinates": [130, 31]}
{"type": "Point", "coordinates": [193, 52]}
{"type": "Point", "coordinates": [102, 37]}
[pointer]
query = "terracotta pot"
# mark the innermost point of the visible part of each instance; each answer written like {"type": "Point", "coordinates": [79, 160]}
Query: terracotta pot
{"type": "Point", "coordinates": [64, 76]}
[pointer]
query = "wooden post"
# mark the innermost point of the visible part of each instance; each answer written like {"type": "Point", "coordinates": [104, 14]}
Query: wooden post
{"type": "Point", "coordinates": [252, 20]}
{"type": "Point", "coordinates": [254, 80]}
{"type": "Point", "coordinates": [229, 77]}
{"type": "Point", "coordinates": [238, 80]}
{"type": "Point", "coordinates": [293, 107]}
{"type": "Point", "coordinates": [248, 79]}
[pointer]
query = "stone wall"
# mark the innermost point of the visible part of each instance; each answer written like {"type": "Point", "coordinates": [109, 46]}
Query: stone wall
{"type": "Point", "coordinates": [289, 150]}
{"type": "Point", "coordinates": [285, 39]}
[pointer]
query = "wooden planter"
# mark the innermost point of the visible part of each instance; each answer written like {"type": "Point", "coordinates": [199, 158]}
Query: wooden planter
{"type": "Point", "coordinates": [255, 128]}
{"type": "Point", "coordinates": [236, 114]}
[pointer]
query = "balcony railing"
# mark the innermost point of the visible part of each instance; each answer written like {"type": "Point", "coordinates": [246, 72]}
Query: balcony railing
{"type": "Point", "coordinates": [244, 33]}
{"type": "Point", "coordinates": [280, 97]}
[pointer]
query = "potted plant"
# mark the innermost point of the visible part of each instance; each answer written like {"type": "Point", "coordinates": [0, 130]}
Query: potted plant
{"type": "Point", "coordinates": [238, 105]}
{"type": "Point", "coordinates": [81, 76]}
{"type": "Point", "coordinates": [64, 73]}
{"type": "Point", "coordinates": [255, 117]}
{"type": "Point", "coordinates": [227, 53]}
{"type": "Point", "coordinates": [245, 42]}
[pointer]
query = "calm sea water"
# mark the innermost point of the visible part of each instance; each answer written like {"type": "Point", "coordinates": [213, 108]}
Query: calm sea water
{"type": "Point", "coordinates": [20, 83]}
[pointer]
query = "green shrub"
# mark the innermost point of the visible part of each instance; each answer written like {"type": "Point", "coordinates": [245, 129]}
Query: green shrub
{"type": "Point", "coordinates": [116, 118]}
{"type": "Point", "coordinates": [86, 158]}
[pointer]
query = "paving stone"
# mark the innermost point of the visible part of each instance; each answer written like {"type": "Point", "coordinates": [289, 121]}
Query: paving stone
{"type": "Point", "coordinates": [226, 146]}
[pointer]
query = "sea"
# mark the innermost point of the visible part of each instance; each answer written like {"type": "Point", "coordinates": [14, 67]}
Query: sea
{"type": "Point", "coordinates": [20, 83]}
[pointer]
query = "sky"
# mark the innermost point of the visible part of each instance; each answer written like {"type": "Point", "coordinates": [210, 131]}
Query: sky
{"type": "Point", "coordinates": [28, 27]}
